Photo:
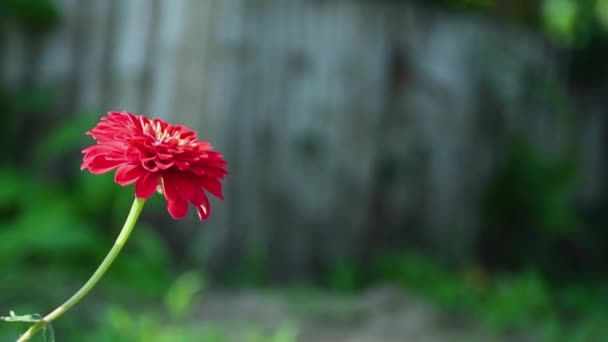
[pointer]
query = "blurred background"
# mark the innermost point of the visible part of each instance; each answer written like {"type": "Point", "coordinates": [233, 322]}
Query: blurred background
{"type": "Point", "coordinates": [400, 170]}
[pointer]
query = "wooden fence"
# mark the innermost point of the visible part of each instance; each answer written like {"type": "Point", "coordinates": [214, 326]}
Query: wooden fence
{"type": "Point", "coordinates": [348, 125]}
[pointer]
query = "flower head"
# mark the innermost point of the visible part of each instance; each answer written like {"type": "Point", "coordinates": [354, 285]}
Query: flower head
{"type": "Point", "coordinates": [156, 155]}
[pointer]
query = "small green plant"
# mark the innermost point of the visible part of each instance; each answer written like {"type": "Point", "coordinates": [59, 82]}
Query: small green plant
{"type": "Point", "coordinates": [517, 303]}
{"type": "Point", "coordinates": [426, 278]}
{"type": "Point", "coordinates": [528, 212]}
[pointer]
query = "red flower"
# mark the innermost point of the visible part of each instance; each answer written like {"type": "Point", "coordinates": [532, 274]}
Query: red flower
{"type": "Point", "coordinates": [145, 151]}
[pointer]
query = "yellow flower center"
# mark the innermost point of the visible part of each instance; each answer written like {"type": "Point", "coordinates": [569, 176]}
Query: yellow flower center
{"type": "Point", "coordinates": [164, 136]}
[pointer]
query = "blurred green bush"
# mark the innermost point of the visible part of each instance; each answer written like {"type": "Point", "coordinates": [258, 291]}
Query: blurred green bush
{"type": "Point", "coordinates": [529, 212]}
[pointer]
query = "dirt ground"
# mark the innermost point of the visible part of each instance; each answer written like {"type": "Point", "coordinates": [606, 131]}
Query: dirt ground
{"type": "Point", "coordinates": [379, 315]}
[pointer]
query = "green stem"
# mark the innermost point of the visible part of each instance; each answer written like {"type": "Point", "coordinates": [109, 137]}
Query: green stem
{"type": "Point", "coordinates": [136, 208]}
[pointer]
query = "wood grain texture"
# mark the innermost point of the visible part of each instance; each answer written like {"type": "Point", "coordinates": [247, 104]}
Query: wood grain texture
{"type": "Point", "coordinates": [348, 125]}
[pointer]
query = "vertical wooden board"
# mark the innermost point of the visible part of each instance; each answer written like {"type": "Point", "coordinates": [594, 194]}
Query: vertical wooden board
{"type": "Point", "coordinates": [290, 227]}
{"type": "Point", "coordinates": [249, 92]}
{"type": "Point", "coordinates": [91, 76]}
{"type": "Point", "coordinates": [222, 75]}
{"type": "Point", "coordinates": [170, 39]}
{"type": "Point", "coordinates": [445, 65]}
{"type": "Point", "coordinates": [352, 127]}
{"type": "Point", "coordinates": [13, 59]}
{"type": "Point", "coordinates": [260, 139]}
{"type": "Point", "coordinates": [129, 56]}
{"type": "Point", "coordinates": [192, 66]}
{"type": "Point", "coordinates": [306, 33]}
{"type": "Point", "coordinates": [54, 61]}
{"type": "Point", "coordinates": [222, 115]}
{"type": "Point", "coordinates": [248, 77]}
{"type": "Point", "coordinates": [592, 165]}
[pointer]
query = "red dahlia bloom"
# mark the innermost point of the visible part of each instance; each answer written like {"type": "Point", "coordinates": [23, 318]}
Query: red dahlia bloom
{"type": "Point", "coordinates": [146, 152]}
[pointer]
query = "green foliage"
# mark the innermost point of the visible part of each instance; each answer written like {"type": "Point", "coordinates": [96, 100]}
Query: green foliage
{"type": "Point", "coordinates": [23, 111]}
{"type": "Point", "coordinates": [528, 210]}
{"type": "Point", "coordinates": [517, 302]}
{"type": "Point", "coordinates": [427, 278]}
{"type": "Point", "coordinates": [64, 138]}
{"type": "Point", "coordinates": [593, 328]}
{"type": "Point", "coordinates": [33, 100]}
{"type": "Point", "coordinates": [183, 293]}
{"type": "Point", "coordinates": [344, 276]}
{"type": "Point", "coordinates": [144, 265]}
{"type": "Point", "coordinates": [57, 224]}
{"type": "Point", "coordinates": [560, 18]}
{"type": "Point", "coordinates": [31, 14]}
{"type": "Point", "coordinates": [38, 214]}
{"type": "Point", "coordinates": [575, 22]}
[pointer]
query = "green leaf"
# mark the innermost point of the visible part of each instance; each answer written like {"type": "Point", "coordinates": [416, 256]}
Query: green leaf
{"type": "Point", "coordinates": [29, 318]}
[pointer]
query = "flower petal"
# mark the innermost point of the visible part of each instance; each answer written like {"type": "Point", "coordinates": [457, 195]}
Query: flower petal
{"type": "Point", "coordinates": [203, 207]}
{"type": "Point", "coordinates": [178, 208]}
{"type": "Point", "coordinates": [163, 165]}
{"type": "Point", "coordinates": [99, 164]}
{"type": "Point", "coordinates": [201, 202]}
{"type": "Point", "coordinates": [146, 185]}
{"type": "Point", "coordinates": [169, 189]}
{"type": "Point", "coordinates": [213, 186]}
{"type": "Point", "coordinates": [184, 185]}
{"type": "Point", "coordinates": [100, 149]}
{"type": "Point", "coordinates": [149, 165]}
{"type": "Point", "coordinates": [128, 174]}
